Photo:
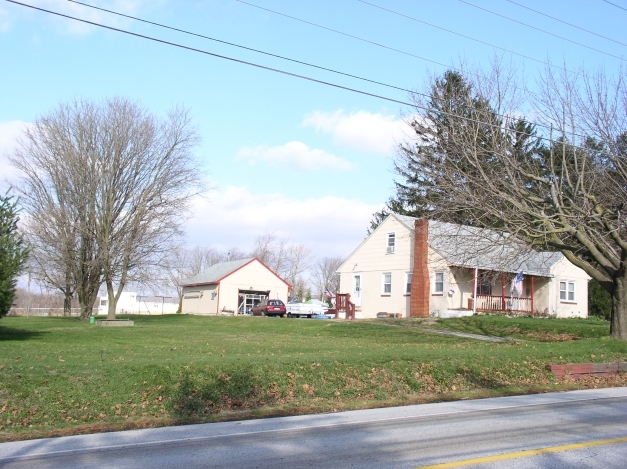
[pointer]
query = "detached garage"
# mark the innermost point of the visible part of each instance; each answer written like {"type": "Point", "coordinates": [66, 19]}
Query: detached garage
{"type": "Point", "coordinates": [232, 288]}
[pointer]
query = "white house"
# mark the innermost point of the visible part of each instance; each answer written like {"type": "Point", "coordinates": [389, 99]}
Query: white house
{"type": "Point", "coordinates": [133, 303]}
{"type": "Point", "coordinates": [418, 267]}
{"type": "Point", "coordinates": [232, 288]}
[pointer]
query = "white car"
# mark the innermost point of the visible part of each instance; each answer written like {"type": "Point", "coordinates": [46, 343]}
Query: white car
{"type": "Point", "coordinates": [306, 310]}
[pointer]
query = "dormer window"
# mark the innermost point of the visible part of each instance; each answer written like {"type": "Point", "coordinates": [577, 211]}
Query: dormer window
{"type": "Point", "coordinates": [391, 243]}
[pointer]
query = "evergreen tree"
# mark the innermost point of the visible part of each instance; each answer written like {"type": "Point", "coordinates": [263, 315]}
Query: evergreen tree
{"type": "Point", "coordinates": [13, 252]}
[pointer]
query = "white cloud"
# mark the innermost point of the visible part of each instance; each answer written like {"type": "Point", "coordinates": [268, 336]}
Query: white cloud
{"type": "Point", "coordinates": [294, 154]}
{"type": "Point", "coordinates": [5, 21]}
{"type": "Point", "coordinates": [69, 26]}
{"type": "Point", "coordinates": [234, 217]}
{"type": "Point", "coordinates": [362, 131]}
{"type": "Point", "coordinates": [9, 133]}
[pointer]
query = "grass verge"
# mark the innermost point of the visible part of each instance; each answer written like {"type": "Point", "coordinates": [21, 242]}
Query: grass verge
{"type": "Point", "coordinates": [63, 376]}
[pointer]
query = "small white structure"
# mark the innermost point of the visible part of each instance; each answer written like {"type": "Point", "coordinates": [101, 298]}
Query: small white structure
{"type": "Point", "coordinates": [233, 287]}
{"type": "Point", "coordinates": [418, 267]}
{"type": "Point", "coordinates": [132, 303]}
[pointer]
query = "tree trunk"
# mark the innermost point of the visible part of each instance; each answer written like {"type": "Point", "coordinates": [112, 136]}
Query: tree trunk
{"type": "Point", "coordinates": [67, 304]}
{"type": "Point", "coordinates": [618, 325]}
{"type": "Point", "coordinates": [112, 300]}
{"type": "Point", "coordinates": [86, 302]}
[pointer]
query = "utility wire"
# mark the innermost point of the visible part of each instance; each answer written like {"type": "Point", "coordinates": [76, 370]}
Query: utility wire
{"type": "Point", "coordinates": [617, 6]}
{"type": "Point", "coordinates": [243, 47]}
{"type": "Point", "coordinates": [346, 34]}
{"type": "Point", "coordinates": [201, 51]}
{"type": "Point", "coordinates": [464, 36]}
{"type": "Point", "coordinates": [566, 22]}
{"type": "Point", "coordinates": [411, 92]}
{"type": "Point", "coordinates": [232, 59]}
{"type": "Point", "coordinates": [543, 31]}
{"type": "Point", "coordinates": [450, 67]}
{"type": "Point", "coordinates": [447, 66]}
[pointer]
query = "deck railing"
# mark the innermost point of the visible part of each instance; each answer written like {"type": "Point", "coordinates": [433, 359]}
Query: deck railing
{"type": "Point", "coordinates": [504, 303]}
{"type": "Point", "coordinates": [343, 303]}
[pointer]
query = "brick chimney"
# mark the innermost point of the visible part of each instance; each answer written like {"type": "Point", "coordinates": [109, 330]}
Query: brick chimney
{"type": "Point", "coordinates": [420, 282]}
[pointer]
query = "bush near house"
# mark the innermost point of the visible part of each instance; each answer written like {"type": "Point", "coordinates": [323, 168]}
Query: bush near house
{"type": "Point", "coordinates": [62, 376]}
{"type": "Point", "coordinates": [600, 301]}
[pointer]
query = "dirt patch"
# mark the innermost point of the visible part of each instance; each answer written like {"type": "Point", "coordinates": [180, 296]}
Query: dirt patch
{"type": "Point", "coordinates": [550, 337]}
{"type": "Point", "coordinates": [597, 382]}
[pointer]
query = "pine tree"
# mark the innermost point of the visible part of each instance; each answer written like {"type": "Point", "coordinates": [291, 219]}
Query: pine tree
{"type": "Point", "coordinates": [13, 252]}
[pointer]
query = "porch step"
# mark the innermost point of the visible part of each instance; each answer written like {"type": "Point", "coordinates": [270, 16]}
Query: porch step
{"type": "Point", "coordinates": [577, 370]}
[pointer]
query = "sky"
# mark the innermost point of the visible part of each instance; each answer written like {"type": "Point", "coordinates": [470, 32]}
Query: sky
{"type": "Point", "coordinates": [282, 154]}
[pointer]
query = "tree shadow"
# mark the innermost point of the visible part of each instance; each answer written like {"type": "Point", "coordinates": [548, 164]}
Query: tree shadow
{"type": "Point", "coordinates": [11, 333]}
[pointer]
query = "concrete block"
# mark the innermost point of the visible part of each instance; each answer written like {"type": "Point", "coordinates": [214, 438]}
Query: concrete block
{"type": "Point", "coordinates": [115, 323]}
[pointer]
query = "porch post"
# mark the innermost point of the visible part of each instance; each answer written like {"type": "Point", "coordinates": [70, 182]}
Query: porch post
{"type": "Point", "coordinates": [474, 291]}
{"type": "Point", "coordinates": [503, 292]}
{"type": "Point", "coordinates": [532, 290]}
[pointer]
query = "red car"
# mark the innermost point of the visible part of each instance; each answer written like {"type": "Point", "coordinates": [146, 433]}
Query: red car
{"type": "Point", "coordinates": [269, 308]}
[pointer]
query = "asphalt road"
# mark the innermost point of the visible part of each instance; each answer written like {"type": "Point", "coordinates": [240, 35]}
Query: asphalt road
{"type": "Point", "coordinates": [399, 437]}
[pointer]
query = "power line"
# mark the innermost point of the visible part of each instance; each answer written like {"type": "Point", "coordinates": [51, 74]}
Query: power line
{"type": "Point", "coordinates": [242, 47]}
{"type": "Point", "coordinates": [347, 35]}
{"type": "Point", "coordinates": [270, 54]}
{"type": "Point", "coordinates": [264, 67]}
{"type": "Point", "coordinates": [448, 66]}
{"type": "Point", "coordinates": [617, 6]}
{"type": "Point", "coordinates": [542, 30]}
{"type": "Point", "coordinates": [464, 36]}
{"type": "Point", "coordinates": [566, 22]}
{"type": "Point", "coordinates": [201, 51]}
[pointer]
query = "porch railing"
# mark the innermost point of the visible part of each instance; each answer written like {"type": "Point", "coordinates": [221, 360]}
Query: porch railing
{"type": "Point", "coordinates": [504, 303]}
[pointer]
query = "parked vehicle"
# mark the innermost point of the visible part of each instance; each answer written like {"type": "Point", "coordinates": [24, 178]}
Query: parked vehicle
{"type": "Point", "coordinates": [269, 308]}
{"type": "Point", "coordinates": [308, 309]}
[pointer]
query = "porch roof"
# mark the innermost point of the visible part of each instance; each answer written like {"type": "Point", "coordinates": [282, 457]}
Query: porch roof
{"type": "Point", "coordinates": [478, 248]}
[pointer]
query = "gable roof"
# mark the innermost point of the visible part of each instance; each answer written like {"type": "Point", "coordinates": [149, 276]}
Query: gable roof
{"type": "Point", "coordinates": [218, 272]}
{"type": "Point", "coordinates": [410, 227]}
{"type": "Point", "coordinates": [468, 246]}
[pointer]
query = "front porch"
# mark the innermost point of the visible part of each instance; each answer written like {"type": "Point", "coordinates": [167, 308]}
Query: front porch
{"type": "Point", "coordinates": [486, 301]}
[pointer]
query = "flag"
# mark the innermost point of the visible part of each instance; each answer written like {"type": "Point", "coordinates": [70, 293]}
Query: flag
{"type": "Point", "coordinates": [517, 284]}
{"type": "Point", "coordinates": [328, 293]}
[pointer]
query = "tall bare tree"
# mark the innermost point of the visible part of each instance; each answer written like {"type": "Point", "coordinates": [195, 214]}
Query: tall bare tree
{"type": "Point", "coordinates": [560, 189]}
{"type": "Point", "coordinates": [121, 176]}
{"type": "Point", "coordinates": [324, 275]}
{"type": "Point", "coordinates": [298, 261]}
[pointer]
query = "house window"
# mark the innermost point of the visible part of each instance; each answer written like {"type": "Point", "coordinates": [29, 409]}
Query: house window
{"type": "Point", "coordinates": [484, 286]}
{"type": "Point", "coordinates": [567, 290]}
{"type": "Point", "coordinates": [391, 243]}
{"type": "Point", "coordinates": [387, 283]}
{"type": "Point", "coordinates": [103, 302]}
{"type": "Point", "coordinates": [408, 283]}
{"type": "Point", "coordinates": [439, 283]}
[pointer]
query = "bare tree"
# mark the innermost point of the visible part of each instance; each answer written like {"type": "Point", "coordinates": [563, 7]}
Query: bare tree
{"type": "Point", "coordinates": [562, 189]}
{"type": "Point", "coordinates": [324, 275]}
{"type": "Point", "coordinates": [121, 176]}
{"type": "Point", "coordinates": [273, 252]}
{"type": "Point", "coordinates": [298, 262]}
{"type": "Point", "coordinates": [264, 247]}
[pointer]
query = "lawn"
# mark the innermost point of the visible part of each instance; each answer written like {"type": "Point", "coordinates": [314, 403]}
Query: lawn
{"type": "Point", "coordinates": [62, 376]}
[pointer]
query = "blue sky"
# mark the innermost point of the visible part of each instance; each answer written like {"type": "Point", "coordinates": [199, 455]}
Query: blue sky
{"type": "Point", "coordinates": [282, 154]}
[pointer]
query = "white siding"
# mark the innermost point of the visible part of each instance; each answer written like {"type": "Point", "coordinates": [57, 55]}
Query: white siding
{"type": "Point", "coordinates": [372, 260]}
{"type": "Point", "coordinates": [563, 270]}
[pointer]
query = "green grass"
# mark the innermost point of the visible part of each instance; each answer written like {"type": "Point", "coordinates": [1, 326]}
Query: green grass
{"type": "Point", "coordinates": [530, 328]}
{"type": "Point", "coordinates": [62, 375]}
